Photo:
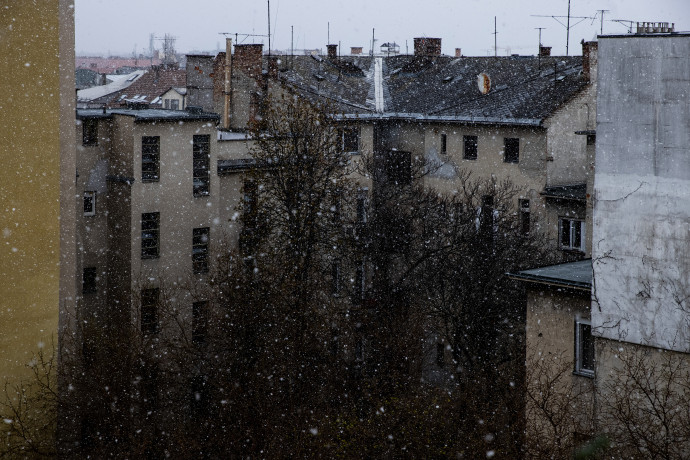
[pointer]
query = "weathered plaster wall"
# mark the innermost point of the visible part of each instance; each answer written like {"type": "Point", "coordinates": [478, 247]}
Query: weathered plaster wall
{"type": "Point", "coordinates": [642, 191]}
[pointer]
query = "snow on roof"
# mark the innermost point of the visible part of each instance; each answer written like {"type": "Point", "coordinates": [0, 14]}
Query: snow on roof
{"type": "Point", "coordinates": [96, 92]}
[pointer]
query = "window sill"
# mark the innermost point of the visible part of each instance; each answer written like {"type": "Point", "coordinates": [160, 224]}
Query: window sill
{"type": "Point", "coordinates": [587, 374]}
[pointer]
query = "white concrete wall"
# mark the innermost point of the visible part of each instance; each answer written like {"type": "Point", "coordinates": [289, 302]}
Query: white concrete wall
{"type": "Point", "coordinates": [642, 191]}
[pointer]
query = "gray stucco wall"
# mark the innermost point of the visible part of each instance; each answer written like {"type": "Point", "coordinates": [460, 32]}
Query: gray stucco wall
{"type": "Point", "coordinates": [642, 191]}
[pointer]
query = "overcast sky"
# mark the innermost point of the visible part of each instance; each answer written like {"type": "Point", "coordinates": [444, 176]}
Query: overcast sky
{"type": "Point", "coordinates": [121, 26]}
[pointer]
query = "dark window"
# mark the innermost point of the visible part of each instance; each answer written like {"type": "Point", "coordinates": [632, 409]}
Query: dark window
{"type": "Point", "coordinates": [150, 235]}
{"type": "Point", "coordinates": [199, 394]}
{"type": "Point", "coordinates": [440, 355]}
{"type": "Point", "coordinates": [199, 322]}
{"type": "Point", "coordinates": [89, 203]}
{"type": "Point", "coordinates": [89, 134]}
{"type": "Point", "coordinates": [524, 217]}
{"type": "Point", "coordinates": [444, 144]}
{"type": "Point", "coordinates": [89, 280]}
{"type": "Point", "coordinates": [175, 104]}
{"type": "Point", "coordinates": [201, 149]}
{"type": "Point", "coordinates": [149, 310]}
{"type": "Point", "coordinates": [399, 167]}
{"type": "Point", "coordinates": [572, 234]}
{"type": "Point", "coordinates": [348, 139]}
{"type": "Point", "coordinates": [335, 274]}
{"type": "Point", "coordinates": [360, 280]}
{"type": "Point", "coordinates": [200, 249]}
{"type": "Point", "coordinates": [362, 205]}
{"type": "Point", "coordinates": [470, 147]}
{"type": "Point", "coordinates": [584, 348]}
{"type": "Point", "coordinates": [591, 139]}
{"type": "Point", "coordinates": [250, 198]}
{"type": "Point", "coordinates": [150, 158]}
{"type": "Point", "coordinates": [511, 150]}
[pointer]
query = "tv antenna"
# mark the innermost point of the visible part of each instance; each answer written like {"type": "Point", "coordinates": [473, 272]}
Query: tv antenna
{"type": "Point", "coordinates": [601, 32]}
{"type": "Point", "coordinates": [624, 22]}
{"type": "Point", "coordinates": [567, 25]}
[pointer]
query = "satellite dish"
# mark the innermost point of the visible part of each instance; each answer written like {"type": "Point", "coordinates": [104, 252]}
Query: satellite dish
{"type": "Point", "coordinates": [484, 83]}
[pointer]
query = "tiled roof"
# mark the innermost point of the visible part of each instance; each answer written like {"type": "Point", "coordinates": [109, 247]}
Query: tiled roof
{"type": "Point", "coordinates": [105, 93]}
{"type": "Point", "coordinates": [154, 83]}
{"type": "Point", "coordinates": [524, 89]}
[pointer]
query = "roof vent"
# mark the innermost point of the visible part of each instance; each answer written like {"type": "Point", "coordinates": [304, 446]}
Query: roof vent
{"type": "Point", "coordinates": [484, 83]}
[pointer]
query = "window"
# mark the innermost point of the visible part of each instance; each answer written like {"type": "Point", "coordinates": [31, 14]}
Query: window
{"type": "Point", "coordinates": [524, 217]}
{"type": "Point", "coordinates": [89, 279]}
{"type": "Point", "coordinates": [250, 198]}
{"type": "Point", "coordinates": [440, 355]}
{"type": "Point", "coordinates": [201, 150]}
{"type": "Point", "coordinates": [89, 135]}
{"type": "Point", "coordinates": [444, 144]}
{"type": "Point", "coordinates": [335, 273]}
{"type": "Point", "coordinates": [584, 348]}
{"type": "Point", "coordinates": [89, 203]}
{"type": "Point", "coordinates": [399, 167]}
{"type": "Point", "coordinates": [199, 322]}
{"type": "Point", "coordinates": [591, 139]}
{"type": "Point", "coordinates": [511, 150]}
{"type": "Point", "coordinates": [200, 250]}
{"type": "Point", "coordinates": [362, 205]}
{"type": "Point", "coordinates": [150, 158]}
{"type": "Point", "coordinates": [150, 235]}
{"type": "Point", "coordinates": [470, 147]}
{"type": "Point", "coordinates": [360, 283]}
{"type": "Point", "coordinates": [348, 138]}
{"type": "Point", "coordinates": [572, 234]}
{"type": "Point", "coordinates": [149, 310]}
{"type": "Point", "coordinates": [175, 104]}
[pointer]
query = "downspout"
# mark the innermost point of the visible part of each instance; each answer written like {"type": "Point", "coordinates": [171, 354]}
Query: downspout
{"type": "Point", "coordinates": [227, 90]}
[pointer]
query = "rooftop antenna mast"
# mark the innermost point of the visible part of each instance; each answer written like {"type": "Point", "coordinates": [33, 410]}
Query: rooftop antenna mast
{"type": "Point", "coordinates": [495, 35]}
{"type": "Point", "coordinates": [602, 20]}
{"type": "Point", "coordinates": [567, 25]}
{"type": "Point", "coordinates": [268, 3]}
{"type": "Point", "coordinates": [539, 50]}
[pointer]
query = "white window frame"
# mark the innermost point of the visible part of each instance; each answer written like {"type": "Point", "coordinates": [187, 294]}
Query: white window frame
{"type": "Point", "coordinates": [90, 194]}
{"type": "Point", "coordinates": [579, 345]}
{"type": "Point", "coordinates": [570, 222]}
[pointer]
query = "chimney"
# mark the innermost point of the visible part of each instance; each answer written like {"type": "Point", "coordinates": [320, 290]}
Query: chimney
{"type": "Point", "coordinates": [248, 59]}
{"type": "Point", "coordinates": [355, 50]}
{"type": "Point", "coordinates": [544, 51]}
{"type": "Point", "coordinates": [273, 66]}
{"type": "Point", "coordinates": [458, 52]}
{"type": "Point", "coordinates": [589, 60]}
{"type": "Point", "coordinates": [427, 46]}
{"type": "Point", "coordinates": [332, 51]}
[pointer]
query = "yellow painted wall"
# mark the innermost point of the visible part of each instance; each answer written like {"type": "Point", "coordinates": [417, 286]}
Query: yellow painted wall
{"type": "Point", "coordinates": [32, 90]}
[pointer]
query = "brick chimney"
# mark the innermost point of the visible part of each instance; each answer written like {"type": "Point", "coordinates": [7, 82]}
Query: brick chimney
{"type": "Point", "coordinates": [458, 52]}
{"type": "Point", "coordinates": [273, 62]}
{"type": "Point", "coordinates": [332, 51]}
{"type": "Point", "coordinates": [427, 46]}
{"type": "Point", "coordinates": [355, 50]}
{"type": "Point", "coordinates": [589, 60]}
{"type": "Point", "coordinates": [247, 58]}
{"type": "Point", "coordinates": [544, 51]}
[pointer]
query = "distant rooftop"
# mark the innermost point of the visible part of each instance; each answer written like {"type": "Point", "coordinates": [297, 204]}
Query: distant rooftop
{"type": "Point", "coordinates": [573, 275]}
{"type": "Point", "coordinates": [145, 115]}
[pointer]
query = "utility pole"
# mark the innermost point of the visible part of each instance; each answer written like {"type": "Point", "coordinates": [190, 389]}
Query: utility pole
{"type": "Point", "coordinates": [372, 41]}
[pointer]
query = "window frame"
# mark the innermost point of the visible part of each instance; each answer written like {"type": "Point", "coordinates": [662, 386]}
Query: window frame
{"type": "Point", "coordinates": [444, 144]}
{"type": "Point", "coordinates": [525, 220]}
{"type": "Point", "coordinates": [580, 351]}
{"type": "Point", "coordinates": [150, 224]}
{"type": "Point", "coordinates": [90, 195]}
{"type": "Point", "coordinates": [510, 144]}
{"type": "Point", "coordinates": [149, 321]}
{"type": "Point", "coordinates": [200, 249]}
{"type": "Point", "coordinates": [201, 165]}
{"type": "Point", "coordinates": [150, 155]}
{"type": "Point", "coordinates": [346, 143]}
{"type": "Point", "coordinates": [470, 142]}
{"type": "Point", "coordinates": [570, 246]}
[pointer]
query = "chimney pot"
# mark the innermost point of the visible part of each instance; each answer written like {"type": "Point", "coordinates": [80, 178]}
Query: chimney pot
{"type": "Point", "coordinates": [332, 51]}
{"type": "Point", "coordinates": [544, 51]}
{"type": "Point", "coordinates": [424, 46]}
{"type": "Point", "coordinates": [458, 52]}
